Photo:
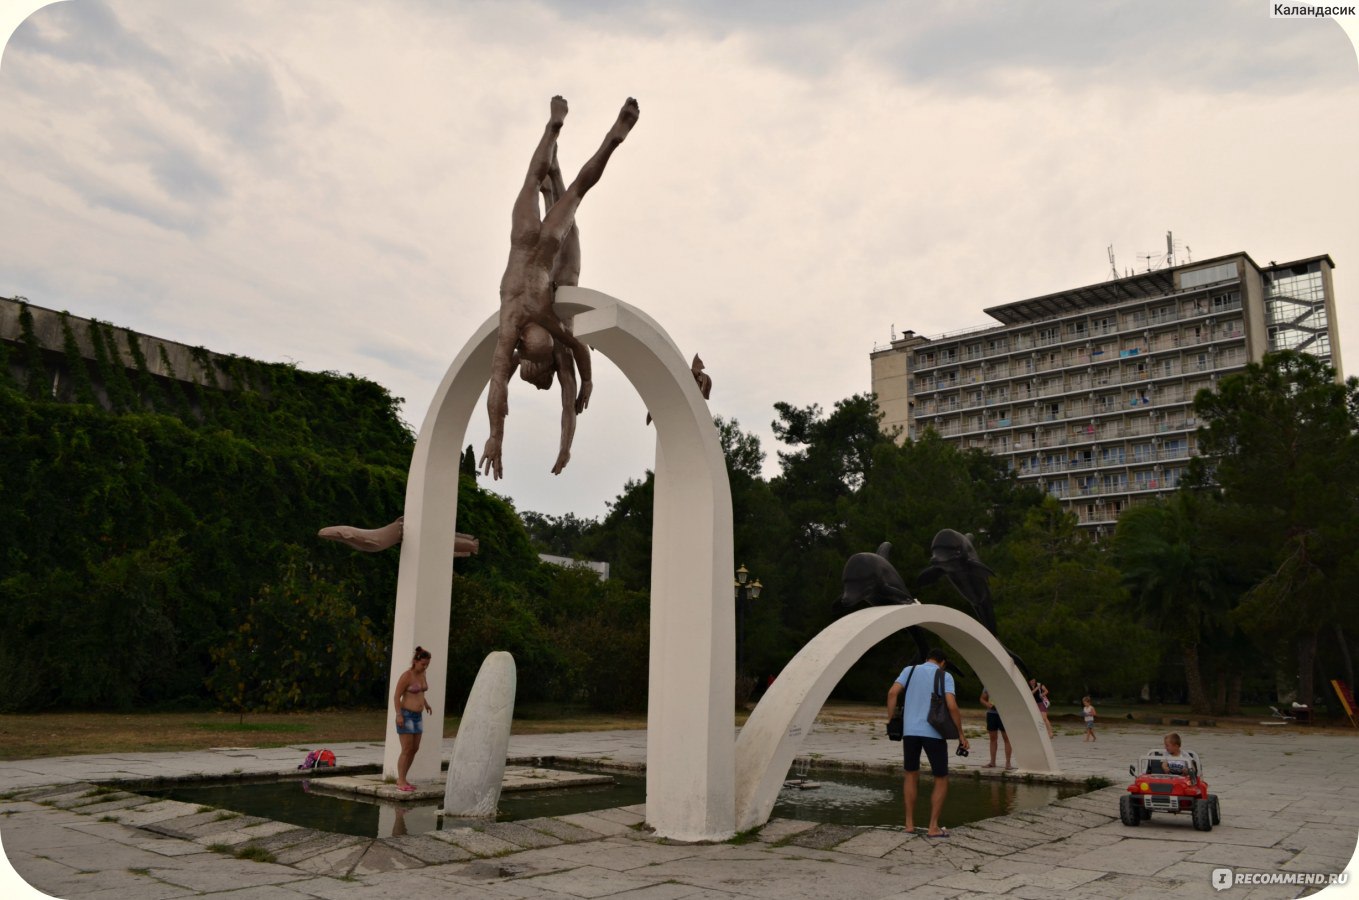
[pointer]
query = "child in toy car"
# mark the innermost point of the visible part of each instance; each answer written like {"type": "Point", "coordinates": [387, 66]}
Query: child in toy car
{"type": "Point", "coordinates": [1169, 780]}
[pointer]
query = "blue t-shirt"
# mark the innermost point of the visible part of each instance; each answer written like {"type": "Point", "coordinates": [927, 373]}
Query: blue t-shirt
{"type": "Point", "coordinates": [916, 714]}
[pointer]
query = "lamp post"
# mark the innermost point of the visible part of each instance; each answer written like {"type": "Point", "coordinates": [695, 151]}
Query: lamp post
{"type": "Point", "coordinates": [746, 590]}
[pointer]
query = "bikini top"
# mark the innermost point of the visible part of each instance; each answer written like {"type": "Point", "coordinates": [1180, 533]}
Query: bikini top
{"type": "Point", "coordinates": [416, 689]}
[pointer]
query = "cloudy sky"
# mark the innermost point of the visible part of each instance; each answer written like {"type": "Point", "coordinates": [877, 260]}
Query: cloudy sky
{"type": "Point", "coordinates": [330, 182]}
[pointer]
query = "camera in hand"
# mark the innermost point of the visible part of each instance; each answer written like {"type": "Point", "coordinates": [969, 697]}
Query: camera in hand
{"type": "Point", "coordinates": [961, 751]}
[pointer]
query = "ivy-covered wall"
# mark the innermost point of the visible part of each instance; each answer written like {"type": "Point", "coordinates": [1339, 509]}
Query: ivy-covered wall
{"type": "Point", "coordinates": [161, 547]}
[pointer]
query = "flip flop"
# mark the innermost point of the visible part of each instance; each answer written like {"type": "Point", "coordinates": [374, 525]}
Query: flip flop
{"type": "Point", "coordinates": [988, 765]}
{"type": "Point", "coordinates": [407, 788]}
{"type": "Point", "coordinates": [938, 837]}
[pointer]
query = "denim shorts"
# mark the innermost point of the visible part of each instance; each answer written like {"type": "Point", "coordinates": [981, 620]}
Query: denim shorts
{"type": "Point", "coordinates": [411, 723]}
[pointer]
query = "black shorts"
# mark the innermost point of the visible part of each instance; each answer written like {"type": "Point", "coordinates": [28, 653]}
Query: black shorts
{"type": "Point", "coordinates": [993, 722]}
{"type": "Point", "coordinates": [936, 750]}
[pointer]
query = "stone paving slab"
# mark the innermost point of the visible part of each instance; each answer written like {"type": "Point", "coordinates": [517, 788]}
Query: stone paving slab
{"type": "Point", "coordinates": [520, 836]}
{"type": "Point", "coordinates": [427, 849]}
{"type": "Point", "coordinates": [1290, 803]}
{"type": "Point", "coordinates": [338, 861]}
{"type": "Point", "coordinates": [779, 829]}
{"type": "Point", "coordinates": [317, 846]}
{"type": "Point", "coordinates": [597, 824]}
{"type": "Point", "coordinates": [560, 829]}
{"type": "Point", "coordinates": [382, 856]}
{"type": "Point", "coordinates": [477, 843]}
{"type": "Point", "coordinates": [156, 811]}
{"type": "Point", "coordinates": [877, 843]}
{"type": "Point", "coordinates": [824, 837]}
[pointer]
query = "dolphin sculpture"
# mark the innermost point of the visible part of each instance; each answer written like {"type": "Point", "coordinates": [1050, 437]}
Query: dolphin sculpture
{"type": "Point", "coordinates": [870, 579]}
{"type": "Point", "coordinates": [953, 556]}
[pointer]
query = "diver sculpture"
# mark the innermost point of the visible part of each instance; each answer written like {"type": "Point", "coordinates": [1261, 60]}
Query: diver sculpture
{"type": "Point", "coordinates": [701, 378]}
{"type": "Point", "coordinates": [374, 540]}
{"type": "Point", "coordinates": [545, 254]}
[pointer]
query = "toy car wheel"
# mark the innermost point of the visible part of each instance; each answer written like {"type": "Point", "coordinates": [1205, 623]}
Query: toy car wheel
{"type": "Point", "coordinates": [1128, 813]}
{"type": "Point", "coordinates": [1144, 813]}
{"type": "Point", "coordinates": [1215, 809]}
{"type": "Point", "coordinates": [1203, 815]}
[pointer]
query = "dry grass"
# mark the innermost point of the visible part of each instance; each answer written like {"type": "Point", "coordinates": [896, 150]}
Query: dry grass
{"type": "Point", "coordinates": [63, 733]}
{"type": "Point", "coordinates": [67, 733]}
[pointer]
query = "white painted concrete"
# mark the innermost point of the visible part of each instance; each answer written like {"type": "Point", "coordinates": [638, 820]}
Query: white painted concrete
{"type": "Point", "coordinates": [770, 739]}
{"type": "Point", "coordinates": [477, 769]}
{"type": "Point", "coordinates": [692, 655]}
{"type": "Point", "coordinates": [693, 633]}
{"type": "Point", "coordinates": [425, 579]}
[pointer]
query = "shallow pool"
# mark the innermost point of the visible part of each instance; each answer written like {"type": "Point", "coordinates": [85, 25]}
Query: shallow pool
{"type": "Point", "coordinates": [844, 797]}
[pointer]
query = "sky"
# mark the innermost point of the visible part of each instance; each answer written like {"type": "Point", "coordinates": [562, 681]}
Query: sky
{"type": "Point", "coordinates": [329, 183]}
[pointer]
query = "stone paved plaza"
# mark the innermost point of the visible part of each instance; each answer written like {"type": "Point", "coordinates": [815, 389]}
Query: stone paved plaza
{"type": "Point", "coordinates": [1290, 803]}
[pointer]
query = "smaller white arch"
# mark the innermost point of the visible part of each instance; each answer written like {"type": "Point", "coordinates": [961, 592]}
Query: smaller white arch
{"type": "Point", "coordinates": [770, 739]}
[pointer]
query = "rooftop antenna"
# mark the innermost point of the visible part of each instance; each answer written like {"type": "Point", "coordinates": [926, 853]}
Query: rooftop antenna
{"type": "Point", "coordinates": [1113, 268]}
{"type": "Point", "coordinates": [1173, 248]}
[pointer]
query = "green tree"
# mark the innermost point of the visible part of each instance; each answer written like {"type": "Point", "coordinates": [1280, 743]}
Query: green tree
{"type": "Point", "coordinates": [1175, 580]}
{"type": "Point", "coordinates": [299, 643]}
{"type": "Point", "coordinates": [1279, 441]}
{"type": "Point", "coordinates": [1061, 606]}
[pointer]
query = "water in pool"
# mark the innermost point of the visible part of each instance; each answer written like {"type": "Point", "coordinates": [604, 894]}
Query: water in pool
{"type": "Point", "coordinates": [849, 798]}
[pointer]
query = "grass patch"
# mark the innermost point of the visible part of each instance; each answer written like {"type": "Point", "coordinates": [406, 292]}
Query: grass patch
{"type": "Point", "coordinates": [35, 735]}
{"type": "Point", "coordinates": [226, 849]}
{"type": "Point", "coordinates": [745, 837]}
{"type": "Point", "coordinates": [108, 818]}
{"type": "Point", "coordinates": [249, 726]}
{"type": "Point", "coordinates": [258, 854]}
{"type": "Point", "coordinates": [100, 791]}
{"type": "Point", "coordinates": [138, 870]}
{"type": "Point", "coordinates": [226, 814]}
{"type": "Point", "coordinates": [1095, 782]}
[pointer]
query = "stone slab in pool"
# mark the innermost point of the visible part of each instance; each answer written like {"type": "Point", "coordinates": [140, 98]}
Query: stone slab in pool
{"type": "Point", "coordinates": [517, 778]}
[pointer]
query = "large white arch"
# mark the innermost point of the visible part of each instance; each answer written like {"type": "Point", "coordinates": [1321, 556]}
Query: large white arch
{"type": "Point", "coordinates": [692, 667]}
{"type": "Point", "coordinates": [771, 736]}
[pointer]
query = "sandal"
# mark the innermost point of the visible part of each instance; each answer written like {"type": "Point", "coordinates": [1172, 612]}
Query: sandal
{"type": "Point", "coordinates": [407, 788]}
{"type": "Point", "coordinates": [940, 836]}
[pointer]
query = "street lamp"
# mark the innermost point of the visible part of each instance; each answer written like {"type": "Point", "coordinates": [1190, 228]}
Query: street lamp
{"type": "Point", "coordinates": [746, 590]}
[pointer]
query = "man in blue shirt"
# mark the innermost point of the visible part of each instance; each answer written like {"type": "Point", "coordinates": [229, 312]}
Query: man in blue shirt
{"type": "Point", "coordinates": [918, 734]}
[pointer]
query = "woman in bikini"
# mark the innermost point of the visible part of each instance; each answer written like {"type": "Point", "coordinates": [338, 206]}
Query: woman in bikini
{"type": "Point", "coordinates": [411, 705]}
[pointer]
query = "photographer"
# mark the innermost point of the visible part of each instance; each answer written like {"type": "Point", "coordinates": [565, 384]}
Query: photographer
{"type": "Point", "coordinates": [918, 734]}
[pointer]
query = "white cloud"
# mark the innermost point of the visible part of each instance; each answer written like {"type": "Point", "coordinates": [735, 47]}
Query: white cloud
{"type": "Point", "coordinates": [281, 181]}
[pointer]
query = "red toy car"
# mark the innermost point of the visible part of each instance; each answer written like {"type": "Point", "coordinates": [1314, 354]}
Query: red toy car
{"type": "Point", "coordinates": [1164, 783]}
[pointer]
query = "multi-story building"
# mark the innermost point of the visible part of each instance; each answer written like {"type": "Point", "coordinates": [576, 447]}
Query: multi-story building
{"type": "Point", "coordinates": [1088, 393]}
